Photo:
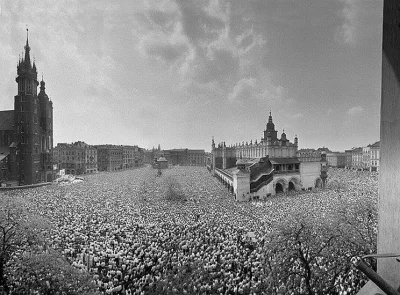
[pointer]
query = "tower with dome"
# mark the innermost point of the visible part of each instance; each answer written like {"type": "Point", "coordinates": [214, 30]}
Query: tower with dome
{"type": "Point", "coordinates": [256, 170]}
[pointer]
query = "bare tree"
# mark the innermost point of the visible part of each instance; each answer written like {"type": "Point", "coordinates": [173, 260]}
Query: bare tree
{"type": "Point", "coordinates": [17, 230]}
{"type": "Point", "coordinates": [49, 273]}
{"type": "Point", "coordinates": [313, 256]}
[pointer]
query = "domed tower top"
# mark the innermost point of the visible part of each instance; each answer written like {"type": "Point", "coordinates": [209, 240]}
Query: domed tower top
{"type": "Point", "coordinates": [270, 124]}
{"type": "Point", "coordinates": [42, 85]}
{"type": "Point", "coordinates": [270, 134]}
{"type": "Point", "coordinates": [283, 136]}
{"type": "Point", "coordinates": [42, 92]}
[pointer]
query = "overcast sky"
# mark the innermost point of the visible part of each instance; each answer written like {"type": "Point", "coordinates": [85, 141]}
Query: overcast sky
{"type": "Point", "coordinates": [177, 73]}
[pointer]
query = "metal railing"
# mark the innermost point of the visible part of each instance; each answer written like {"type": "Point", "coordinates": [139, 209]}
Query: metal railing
{"type": "Point", "coordinates": [372, 275]}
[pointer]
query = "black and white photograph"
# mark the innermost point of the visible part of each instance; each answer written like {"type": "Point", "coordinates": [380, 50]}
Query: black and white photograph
{"type": "Point", "coordinates": [227, 147]}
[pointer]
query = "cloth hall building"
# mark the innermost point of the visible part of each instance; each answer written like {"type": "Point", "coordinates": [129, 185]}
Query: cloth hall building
{"type": "Point", "coordinates": [272, 165]}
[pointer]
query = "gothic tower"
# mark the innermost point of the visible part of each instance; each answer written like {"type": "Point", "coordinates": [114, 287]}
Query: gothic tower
{"type": "Point", "coordinates": [32, 144]}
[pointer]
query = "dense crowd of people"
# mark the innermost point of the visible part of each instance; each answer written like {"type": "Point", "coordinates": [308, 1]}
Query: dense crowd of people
{"type": "Point", "coordinates": [120, 227]}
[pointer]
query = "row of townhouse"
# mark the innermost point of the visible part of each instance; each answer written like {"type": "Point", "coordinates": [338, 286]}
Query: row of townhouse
{"type": "Point", "coordinates": [75, 158]}
{"type": "Point", "coordinates": [333, 159]}
{"type": "Point", "coordinates": [364, 158]}
{"type": "Point", "coordinates": [119, 157]}
{"type": "Point", "coordinates": [181, 157]}
{"type": "Point", "coordinates": [360, 158]}
{"type": "Point", "coordinates": [81, 158]}
{"type": "Point", "coordinates": [185, 157]}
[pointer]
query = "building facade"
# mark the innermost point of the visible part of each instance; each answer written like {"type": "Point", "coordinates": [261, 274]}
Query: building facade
{"type": "Point", "coordinates": [348, 154]}
{"type": "Point", "coordinates": [375, 156]}
{"type": "Point", "coordinates": [336, 159]}
{"type": "Point", "coordinates": [110, 157]}
{"type": "Point", "coordinates": [27, 143]}
{"type": "Point", "coordinates": [132, 156]}
{"type": "Point", "coordinates": [274, 165]}
{"type": "Point", "coordinates": [366, 157]}
{"type": "Point", "coordinates": [76, 158]}
{"type": "Point", "coordinates": [356, 158]}
{"type": "Point", "coordinates": [185, 157]}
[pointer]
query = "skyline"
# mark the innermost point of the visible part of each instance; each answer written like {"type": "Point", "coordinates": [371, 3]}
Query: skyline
{"type": "Point", "coordinates": [176, 73]}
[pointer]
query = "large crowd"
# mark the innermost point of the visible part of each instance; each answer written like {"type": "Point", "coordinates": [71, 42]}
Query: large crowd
{"type": "Point", "coordinates": [121, 229]}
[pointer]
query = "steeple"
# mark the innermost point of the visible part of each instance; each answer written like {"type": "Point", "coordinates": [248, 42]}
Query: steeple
{"type": "Point", "coordinates": [42, 85]}
{"type": "Point", "coordinates": [270, 132]}
{"type": "Point", "coordinates": [26, 74]}
{"type": "Point", "coordinates": [27, 49]}
{"type": "Point", "coordinates": [270, 124]}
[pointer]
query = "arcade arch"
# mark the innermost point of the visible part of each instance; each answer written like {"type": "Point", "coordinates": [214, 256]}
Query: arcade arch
{"type": "Point", "coordinates": [280, 186]}
{"type": "Point", "coordinates": [294, 184]}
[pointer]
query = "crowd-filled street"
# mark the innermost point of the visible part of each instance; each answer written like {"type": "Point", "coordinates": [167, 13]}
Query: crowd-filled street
{"type": "Point", "coordinates": [121, 228]}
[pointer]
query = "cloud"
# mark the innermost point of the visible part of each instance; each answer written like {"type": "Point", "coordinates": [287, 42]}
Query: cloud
{"type": "Point", "coordinates": [198, 25]}
{"type": "Point", "coordinates": [354, 111]}
{"type": "Point", "coordinates": [243, 90]}
{"type": "Point", "coordinates": [298, 116]}
{"type": "Point", "coordinates": [359, 21]}
{"type": "Point", "coordinates": [346, 33]}
{"type": "Point", "coordinates": [195, 41]}
{"type": "Point", "coordinates": [163, 49]}
{"type": "Point", "coordinates": [274, 95]}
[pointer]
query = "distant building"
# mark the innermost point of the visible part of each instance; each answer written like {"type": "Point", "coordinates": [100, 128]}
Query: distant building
{"type": "Point", "coordinates": [336, 159]}
{"type": "Point", "coordinates": [110, 157]}
{"type": "Point", "coordinates": [132, 156]}
{"type": "Point", "coordinates": [26, 133]}
{"type": "Point", "coordinates": [76, 158]}
{"type": "Point", "coordinates": [150, 156]}
{"type": "Point", "coordinates": [375, 156]}
{"type": "Point", "coordinates": [185, 157]}
{"type": "Point", "coordinates": [366, 157]}
{"type": "Point", "coordinates": [90, 154]}
{"type": "Point", "coordinates": [348, 161]}
{"type": "Point", "coordinates": [356, 158]}
{"type": "Point", "coordinates": [162, 163]}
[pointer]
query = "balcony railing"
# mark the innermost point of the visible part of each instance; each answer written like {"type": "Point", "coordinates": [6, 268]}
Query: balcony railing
{"type": "Point", "coordinates": [287, 171]}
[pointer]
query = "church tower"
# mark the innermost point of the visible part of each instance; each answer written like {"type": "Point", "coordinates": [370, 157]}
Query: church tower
{"type": "Point", "coordinates": [270, 134]}
{"type": "Point", "coordinates": [32, 143]}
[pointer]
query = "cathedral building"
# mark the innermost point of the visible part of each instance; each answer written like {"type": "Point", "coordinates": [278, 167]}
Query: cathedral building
{"type": "Point", "coordinates": [27, 131]}
{"type": "Point", "coordinates": [261, 169]}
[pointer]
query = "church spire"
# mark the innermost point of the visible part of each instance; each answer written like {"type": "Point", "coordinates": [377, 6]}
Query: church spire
{"type": "Point", "coordinates": [27, 49]}
{"type": "Point", "coordinates": [42, 85]}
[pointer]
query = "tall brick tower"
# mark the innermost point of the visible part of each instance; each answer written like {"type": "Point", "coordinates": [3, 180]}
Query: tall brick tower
{"type": "Point", "coordinates": [31, 150]}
